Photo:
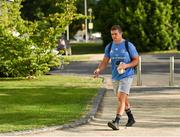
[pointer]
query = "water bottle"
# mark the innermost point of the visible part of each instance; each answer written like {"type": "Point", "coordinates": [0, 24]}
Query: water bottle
{"type": "Point", "coordinates": [120, 70]}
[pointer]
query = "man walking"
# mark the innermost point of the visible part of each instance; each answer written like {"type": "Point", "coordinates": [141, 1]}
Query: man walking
{"type": "Point", "coordinates": [124, 57]}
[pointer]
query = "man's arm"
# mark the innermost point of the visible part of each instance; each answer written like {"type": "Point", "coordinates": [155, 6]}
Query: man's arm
{"type": "Point", "coordinates": [133, 63]}
{"type": "Point", "coordinates": [101, 66]}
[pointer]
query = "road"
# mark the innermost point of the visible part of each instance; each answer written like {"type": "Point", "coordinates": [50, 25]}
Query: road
{"type": "Point", "coordinates": [155, 68]}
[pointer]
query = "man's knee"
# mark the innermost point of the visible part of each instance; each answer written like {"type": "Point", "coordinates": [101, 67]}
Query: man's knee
{"type": "Point", "coordinates": [121, 96]}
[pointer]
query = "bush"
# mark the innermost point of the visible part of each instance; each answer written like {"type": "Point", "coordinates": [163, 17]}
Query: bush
{"type": "Point", "coordinates": [27, 47]}
{"type": "Point", "coordinates": [148, 24]}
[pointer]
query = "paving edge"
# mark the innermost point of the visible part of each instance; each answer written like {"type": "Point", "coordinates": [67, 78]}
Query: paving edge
{"type": "Point", "coordinates": [85, 119]}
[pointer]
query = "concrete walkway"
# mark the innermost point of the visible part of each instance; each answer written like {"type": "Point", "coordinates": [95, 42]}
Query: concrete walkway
{"type": "Point", "coordinates": [156, 107]}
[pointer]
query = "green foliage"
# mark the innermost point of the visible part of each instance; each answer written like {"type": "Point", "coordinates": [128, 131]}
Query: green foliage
{"type": "Point", "coordinates": [148, 24]}
{"type": "Point", "coordinates": [15, 44]}
{"type": "Point", "coordinates": [77, 24]}
{"type": "Point", "coordinates": [87, 48]}
{"type": "Point", "coordinates": [48, 30]}
{"type": "Point", "coordinates": [26, 47]}
{"type": "Point", "coordinates": [45, 101]}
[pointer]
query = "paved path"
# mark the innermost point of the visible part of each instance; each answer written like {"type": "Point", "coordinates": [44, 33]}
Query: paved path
{"type": "Point", "coordinates": [155, 106]}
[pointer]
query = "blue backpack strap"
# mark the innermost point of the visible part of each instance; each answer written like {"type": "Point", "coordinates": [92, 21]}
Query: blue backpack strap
{"type": "Point", "coordinates": [109, 48]}
{"type": "Point", "coordinates": [127, 48]}
{"type": "Point", "coordinates": [126, 45]}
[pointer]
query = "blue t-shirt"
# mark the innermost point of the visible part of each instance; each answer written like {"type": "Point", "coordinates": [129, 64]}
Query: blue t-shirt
{"type": "Point", "coordinates": [118, 53]}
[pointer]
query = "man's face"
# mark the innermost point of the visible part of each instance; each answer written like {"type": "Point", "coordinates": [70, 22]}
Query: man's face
{"type": "Point", "coordinates": [116, 36]}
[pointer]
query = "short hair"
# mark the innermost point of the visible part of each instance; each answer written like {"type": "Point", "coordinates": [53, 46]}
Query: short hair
{"type": "Point", "coordinates": [116, 27]}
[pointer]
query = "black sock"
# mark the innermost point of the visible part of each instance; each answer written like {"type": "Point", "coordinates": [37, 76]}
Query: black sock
{"type": "Point", "coordinates": [118, 117]}
{"type": "Point", "coordinates": [129, 114]}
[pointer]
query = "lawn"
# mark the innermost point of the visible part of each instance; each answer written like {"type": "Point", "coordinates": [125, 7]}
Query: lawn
{"type": "Point", "coordinates": [97, 48]}
{"type": "Point", "coordinates": [45, 101]}
{"type": "Point", "coordinates": [87, 48]}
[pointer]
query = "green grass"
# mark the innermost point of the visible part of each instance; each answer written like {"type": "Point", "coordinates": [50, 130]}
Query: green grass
{"type": "Point", "coordinates": [87, 48]}
{"type": "Point", "coordinates": [76, 58]}
{"type": "Point", "coordinates": [162, 52]}
{"type": "Point", "coordinates": [46, 101]}
{"type": "Point", "coordinates": [96, 48]}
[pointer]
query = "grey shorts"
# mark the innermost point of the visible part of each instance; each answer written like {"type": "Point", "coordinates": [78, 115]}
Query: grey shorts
{"type": "Point", "coordinates": [123, 85]}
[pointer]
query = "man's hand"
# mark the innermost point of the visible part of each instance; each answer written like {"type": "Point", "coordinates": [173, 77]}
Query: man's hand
{"type": "Point", "coordinates": [123, 66]}
{"type": "Point", "coordinates": [96, 73]}
{"type": "Point", "coordinates": [101, 66]}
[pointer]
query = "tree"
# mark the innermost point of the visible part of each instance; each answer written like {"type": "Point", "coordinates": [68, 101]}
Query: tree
{"type": "Point", "coordinates": [148, 24]}
{"type": "Point", "coordinates": [15, 43]}
{"type": "Point", "coordinates": [175, 19]}
{"type": "Point", "coordinates": [26, 46]}
{"type": "Point", "coordinates": [77, 24]}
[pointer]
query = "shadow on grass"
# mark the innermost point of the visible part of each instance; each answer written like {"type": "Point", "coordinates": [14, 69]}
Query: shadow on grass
{"type": "Point", "coordinates": [35, 107]}
{"type": "Point", "coordinates": [11, 79]}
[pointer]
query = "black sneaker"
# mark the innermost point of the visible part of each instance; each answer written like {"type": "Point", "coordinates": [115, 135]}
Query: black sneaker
{"type": "Point", "coordinates": [130, 122]}
{"type": "Point", "coordinates": [114, 125]}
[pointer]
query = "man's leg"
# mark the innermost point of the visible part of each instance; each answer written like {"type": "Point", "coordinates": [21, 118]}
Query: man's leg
{"type": "Point", "coordinates": [127, 105]}
{"type": "Point", "coordinates": [122, 89]}
{"type": "Point", "coordinates": [131, 120]}
{"type": "Point", "coordinates": [121, 102]}
{"type": "Point", "coordinates": [120, 110]}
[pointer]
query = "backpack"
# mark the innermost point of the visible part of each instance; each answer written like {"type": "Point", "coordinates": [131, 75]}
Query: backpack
{"type": "Point", "coordinates": [127, 49]}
